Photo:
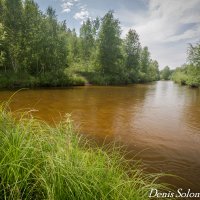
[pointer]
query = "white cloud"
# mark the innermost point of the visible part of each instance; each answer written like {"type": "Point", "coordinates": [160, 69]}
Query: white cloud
{"type": "Point", "coordinates": [164, 24]}
{"type": "Point", "coordinates": [188, 34]}
{"type": "Point", "coordinates": [83, 14]}
{"type": "Point", "coordinates": [81, 9]}
{"type": "Point", "coordinates": [67, 5]}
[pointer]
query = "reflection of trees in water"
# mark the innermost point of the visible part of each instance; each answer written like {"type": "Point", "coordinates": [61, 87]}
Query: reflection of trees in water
{"type": "Point", "coordinates": [110, 109]}
{"type": "Point", "coordinates": [126, 103]}
{"type": "Point", "coordinates": [113, 110]}
{"type": "Point", "coordinates": [98, 110]}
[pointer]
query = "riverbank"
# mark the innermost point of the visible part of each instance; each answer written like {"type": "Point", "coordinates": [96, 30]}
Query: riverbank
{"type": "Point", "coordinates": [24, 80]}
{"type": "Point", "coordinates": [10, 80]}
{"type": "Point", "coordinates": [187, 75]}
{"type": "Point", "coordinates": [38, 161]}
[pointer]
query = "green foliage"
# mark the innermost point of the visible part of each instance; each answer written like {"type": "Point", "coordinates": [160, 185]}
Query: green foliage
{"type": "Point", "coordinates": [38, 161]}
{"type": "Point", "coordinates": [179, 77]}
{"type": "Point", "coordinates": [87, 39]}
{"type": "Point", "coordinates": [56, 79]}
{"type": "Point", "coordinates": [189, 74]}
{"type": "Point", "coordinates": [193, 76]}
{"type": "Point", "coordinates": [2, 40]}
{"type": "Point", "coordinates": [109, 42]}
{"type": "Point", "coordinates": [118, 61]}
{"type": "Point", "coordinates": [145, 60]}
{"type": "Point", "coordinates": [194, 54]}
{"type": "Point", "coordinates": [165, 73]}
{"type": "Point", "coordinates": [153, 73]}
{"type": "Point", "coordinates": [132, 55]}
{"type": "Point", "coordinates": [40, 47]}
{"type": "Point", "coordinates": [73, 48]}
{"type": "Point", "coordinates": [12, 21]}
{"type": "Point", "coordinates": [35, 42]}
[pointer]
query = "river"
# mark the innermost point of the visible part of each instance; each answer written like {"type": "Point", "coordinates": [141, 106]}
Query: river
{"type": "Point", "coordinates": [160, 122]}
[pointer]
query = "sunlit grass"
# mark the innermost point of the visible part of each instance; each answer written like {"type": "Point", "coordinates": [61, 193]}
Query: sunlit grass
{"type": "Point", "coordinates": [38, 161]}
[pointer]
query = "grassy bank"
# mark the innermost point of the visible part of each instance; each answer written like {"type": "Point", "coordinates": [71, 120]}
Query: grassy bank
{"type": "Point", "coordinates": [38, 161]}
{"type": "Point", "coordinates": [50, 79]}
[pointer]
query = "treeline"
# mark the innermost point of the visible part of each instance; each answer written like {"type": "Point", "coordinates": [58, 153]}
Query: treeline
{"type": "Point", "coordinates": [38, 50]}
{"type": "Point", "coordinates": [189, 74]}
{"type": "Point", "coordinates": [166, 73]}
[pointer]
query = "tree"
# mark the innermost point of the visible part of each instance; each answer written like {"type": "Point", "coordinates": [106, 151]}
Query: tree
{"type": "Point", "coordinates": [189, 74]}
{"type": "Point", "coordinates": [153, 72]}
{"type": "Point", "coordinates": [12, 19]}
{"type": "Point", "coordinates": [87, 39]}
{"type": "Point", "coordinates": [109, 45]}
{"type": "Point", "coordinates": [194, 54]}
{"type": "Point", "coordinates": [95, 27]}
{"type": "Point", "coordinates": [1, 10]}
{"type": "Point", "coordinates": [35, 46]}
{"type": "Point", "coordinates": [32, 38]}
{"type": "Point", "coordinates": [144, 75]}
{"type": "Point", "coordinates": [165, 73]}
{"type": "Point", "coordinates": [54, 44]}
{"type": "Point", "coordinates": [132, 54]}
{"type": "Point", "coordinates": [73, 47]}
{"type": "Point", "coordinates": [145, 60]}
{"type": "Point", "coordinates": [2, 45]}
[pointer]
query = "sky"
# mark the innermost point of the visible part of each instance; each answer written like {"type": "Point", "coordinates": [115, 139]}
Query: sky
{"type": "Point", "coordinates": [165, 26]}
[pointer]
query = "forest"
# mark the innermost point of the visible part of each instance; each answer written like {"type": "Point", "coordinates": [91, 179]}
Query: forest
{"type": "Point", "coordinates": [37, 50]}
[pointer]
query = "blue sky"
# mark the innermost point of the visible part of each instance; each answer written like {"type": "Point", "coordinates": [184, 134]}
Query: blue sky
{"type": "Point", "coordinates": [165, 26]}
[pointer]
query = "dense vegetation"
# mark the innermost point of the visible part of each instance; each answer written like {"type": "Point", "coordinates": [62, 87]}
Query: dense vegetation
{"type": "Point", "coordinates": [189, 74]}
{"type": "Point", "coordinates": [166, 73]}
{"type": "Point", "coordinates": [38, 50]}
{"type": "Point", "coordinates": [42, 162]}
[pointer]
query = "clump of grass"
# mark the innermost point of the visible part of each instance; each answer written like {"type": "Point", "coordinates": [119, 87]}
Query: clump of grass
{"type": "Point", "coordinates": [38, 161]}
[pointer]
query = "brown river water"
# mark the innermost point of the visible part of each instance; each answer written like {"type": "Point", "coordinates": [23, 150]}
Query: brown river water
{"type": "Point", "coordinates": [160, 122]}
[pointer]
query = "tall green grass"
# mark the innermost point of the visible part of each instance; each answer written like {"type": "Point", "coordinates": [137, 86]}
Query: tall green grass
{"type": "Point", "coordinates": [38, 161]}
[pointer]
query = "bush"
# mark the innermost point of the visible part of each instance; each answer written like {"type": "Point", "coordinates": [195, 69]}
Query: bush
{"type": "Point", "coordinates": [187, 75]}
{"type": "Point", "coordinates": [77, 80]}
{"type": "Point", "coordinates": [97, 78]}
{"type": "Point", "coordinates": [193, 76]}
{"type": "Point", "coordinates": [180, 77]}
{"type": "Point", "coordinates": [16, 80]}
{"type": "Point", "coordinates": [48, 79]}
{"type": "Point", "coordinates": [53, 79]}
